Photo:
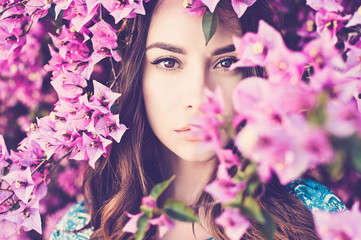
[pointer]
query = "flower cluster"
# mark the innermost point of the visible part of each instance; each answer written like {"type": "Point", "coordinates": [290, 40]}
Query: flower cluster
{"type": "Point", "coordinates": [287, 121]}
{"type": "Point", "coordinates": [81, 126]}
{"type": "Point", "coordinates": [303, 112]}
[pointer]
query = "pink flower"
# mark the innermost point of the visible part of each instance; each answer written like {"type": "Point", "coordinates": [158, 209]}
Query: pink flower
{"type": "Point", "coordinates": [9, 230]}
{"type": "Point", "coordinates": [120, 10]}
{"type": "Point", "coordinates": [234, 224]}
{"type": "Point", "coordinates": [131, 225]}
{"type": "Point", "coordinates": [213, 102]}
{"type": "Point", "coordinates": [27, 216]}
{"type": "Point", "coordinates": [228, 158]}
{"type": "Point", "coordinates": [342, 119]}
{"type": "Point", "coordinates": [61, 5]}
{"type": "Point", "coordinates": [78, 14]}
{"type": "Point", "coordinates": [21, 183]}
{"type": "Point", "coordinates": [287, 149]}
{"type": "Point", "coordinates": [252, 48]}
{"type": "Point", "coordinates": [69, 41]}
{"type": "Point", "coordinates": [224, 190]}
{"type": "Point", "coordinates": [194, 8]}
{"type": "Point", "coordinates": [211, 4]}
{"type": "Point", "coordinates": [206, 126]}
{"type": "Point", "coordinates": [330, 22]}
{"type": "Point", "coordinates": [11, 40]}
{"type": "Point", "coordinates": [104, 40]}
{"type": "Point", "coordinates": [353, 61]}
{"type": "Point", "coordinates": [342, 225]}
{"type": "Point", "coordinates": [4, 154]}
{"type": "Point", "coordinates": [321, 53]}
{"type": "Point", "coordinates": [109, 126]}
{"type": "Point", "coordinates": [355, 19]}
{"type": "Point", "coordinates": [240, 6]}
{"type": "Point", "coordinates": [69, 85]}
{"type": "Point", "coordinates": [95, 146]}
{"type": "Point", "coordinates": [104, 96]}
{"type": "Point", "coordinates": [328, 5]}
{"type": "Point", "coordinates": [164, 224]}
{"type": "Point", "coordinates": [149, 201]}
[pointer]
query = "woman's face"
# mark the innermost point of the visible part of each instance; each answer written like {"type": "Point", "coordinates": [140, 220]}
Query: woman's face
{"type": "Point", "coordinates": [178, 67]}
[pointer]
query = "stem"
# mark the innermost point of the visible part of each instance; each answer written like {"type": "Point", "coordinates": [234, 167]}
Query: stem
{"type": "Point", "coordinates": [7, 198]}
{"type": "Point", "coordinates": [39, 166]}
{"type": "Point", "coordinates": [100, 12]}
{"type": "Point", "coordinates": [15, 4]}
{"type": "Point", "coordinates": [114, 74]}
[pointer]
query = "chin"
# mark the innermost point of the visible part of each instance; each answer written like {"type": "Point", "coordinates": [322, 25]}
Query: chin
{"type": "Point", "coordinates": [195, 155]}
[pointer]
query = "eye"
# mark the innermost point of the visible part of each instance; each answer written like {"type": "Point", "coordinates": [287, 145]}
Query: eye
{"type": "Point", "coordinates": [167, 63]}
{"type": "Point", "coordinates": [225, 63]}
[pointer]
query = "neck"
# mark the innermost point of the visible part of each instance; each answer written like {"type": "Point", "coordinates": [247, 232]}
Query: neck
{"type": "Point", "coordinates": [191, 177]}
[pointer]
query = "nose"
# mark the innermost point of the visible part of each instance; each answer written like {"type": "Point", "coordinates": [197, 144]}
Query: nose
{"type": "Point", "coordinates": [195, 83]}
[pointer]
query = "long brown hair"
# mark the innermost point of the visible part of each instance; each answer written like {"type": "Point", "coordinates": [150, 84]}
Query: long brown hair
{"type": "Point", "coordinates": [118, 183]}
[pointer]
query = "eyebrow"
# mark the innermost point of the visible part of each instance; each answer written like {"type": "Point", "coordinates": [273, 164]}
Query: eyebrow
{"type": "Point", "coordinates": [167, 47]}
{"type": "Point", "coordinates": [222, 50]}
{"type": "Point", "coordinates": [180, 50]}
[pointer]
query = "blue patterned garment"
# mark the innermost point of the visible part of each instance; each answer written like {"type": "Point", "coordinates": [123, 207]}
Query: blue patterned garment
{"type": "Point", "coordinates": [312, 194]}
{"type": "Point", "coordinates": [315, 196]}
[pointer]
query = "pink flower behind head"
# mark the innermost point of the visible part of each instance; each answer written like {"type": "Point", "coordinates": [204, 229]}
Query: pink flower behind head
{"type": "Point", "coordinates": [240, 6]}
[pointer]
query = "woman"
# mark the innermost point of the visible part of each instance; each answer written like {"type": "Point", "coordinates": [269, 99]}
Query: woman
{"type": "Point", "coordinates": [167, 66]}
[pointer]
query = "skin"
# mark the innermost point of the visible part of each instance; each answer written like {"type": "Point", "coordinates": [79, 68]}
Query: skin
{"type": "Point", "coordinates": [178, 67]}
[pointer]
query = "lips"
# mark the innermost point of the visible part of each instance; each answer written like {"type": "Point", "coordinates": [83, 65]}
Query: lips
{"type": "Point", "coordinates": [187, 134]}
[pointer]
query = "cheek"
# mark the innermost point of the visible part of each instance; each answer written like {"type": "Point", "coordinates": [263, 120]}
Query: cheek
{"type": "Point", "coordinates": [227, 84]}
{"type": "Point", "coordinates": [158, 104]}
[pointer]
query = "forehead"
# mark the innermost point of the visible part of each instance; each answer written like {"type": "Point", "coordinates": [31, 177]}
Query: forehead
{"type": "Point", "coordinates": [170, 24]}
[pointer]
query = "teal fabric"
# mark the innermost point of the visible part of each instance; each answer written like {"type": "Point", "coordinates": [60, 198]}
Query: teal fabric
{"type": "Point", "coordinates": [312, 194]}
{"type": "Point", "coordinates": [315, 196]}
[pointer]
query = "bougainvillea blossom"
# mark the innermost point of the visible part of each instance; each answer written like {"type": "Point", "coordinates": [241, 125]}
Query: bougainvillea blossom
{"type": "Point", "coordinates": [328, 5]}
{"type": "Point", "coordinates": [95, 146]}
{"type": "Point", "coordinates": [131, 225]}
{"type": "Point", "coordinates": [119, 9]}
{"type": "Point", "coordinates": [240, 6]}
{"type": "Point", "coordinates": [4, 154]}
{"type": "Point", "coordinates": [234, 224]}
{"type": "Point", "coordinates": [69, 85]}
{"type": "Point", "coordinates": [21, 182]}
{"type": "Point", "coordinates": [343, 225]}
{"type": "Point", "coordinates": [225, 189]}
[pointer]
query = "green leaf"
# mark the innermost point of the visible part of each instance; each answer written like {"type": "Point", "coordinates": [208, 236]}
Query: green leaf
{"type": "Point", "coordinates": [142, 225]}
{"type": "Point", "coordinates": [269, 227]}
{"type": "Point", "coordinates": [335, 168]}
{"type": "Point", "coordinates": [317, 116]}
{"type": "Point", "coordinates": [251, 209]}
{"type": "Point", "coordinates": [356, 153]}
{"type": "Point", "coordinates": [147, 210]}
{"type": "Point", "coordinates": [252, 186]}
{"type": "Point", "coordinates": [209, 25]}
{"type": "Point", "coordinates": [113, 108]}
{"type": "Point", "coordinates": [178, 210]}
{"type": "Point", "coordinates": [158, 189]}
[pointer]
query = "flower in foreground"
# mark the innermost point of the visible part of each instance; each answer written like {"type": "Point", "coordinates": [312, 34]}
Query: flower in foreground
{"type": "Point", "coordinates": [342, 225]}
{"type": "Point", "coordinates": [234, 224]}
{"type": "Point", "coordinates": [164, 224]}
{"type": "Point", "coordinates": [131, 225]}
